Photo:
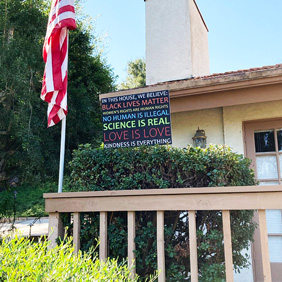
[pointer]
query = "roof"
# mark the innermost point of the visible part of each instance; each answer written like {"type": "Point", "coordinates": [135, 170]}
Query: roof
{"type": "Point", "coordinates": [228, 74]}
{"type": "Point", "coordinates": [255, 85]}
{"type": "Point", "coordinates": [246, 77]}
{"type": "Point", "coordinates": [231, 73]}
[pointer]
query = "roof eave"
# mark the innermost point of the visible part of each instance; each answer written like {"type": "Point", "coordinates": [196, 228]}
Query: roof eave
{"type": "Point", "coordinates": [213, 83]}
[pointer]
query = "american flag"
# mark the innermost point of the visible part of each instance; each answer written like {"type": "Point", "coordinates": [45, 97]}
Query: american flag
{"type": "Point", "coordinates": [55, 55]}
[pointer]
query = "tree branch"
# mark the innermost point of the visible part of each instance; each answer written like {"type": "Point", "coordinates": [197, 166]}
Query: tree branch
{"type": "Point", "coordinates": [3, 97]}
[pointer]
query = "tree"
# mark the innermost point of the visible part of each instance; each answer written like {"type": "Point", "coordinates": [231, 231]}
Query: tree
{"type": "Point", "coordinates": [27, 148]}
{"type": "Point", "coordinates": [20, 75]}
{"type": "Point", "coordinates": [136, 75]}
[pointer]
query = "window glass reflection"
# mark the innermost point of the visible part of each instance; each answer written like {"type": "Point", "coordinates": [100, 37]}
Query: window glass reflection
{"type": "Point", "coordinates": [266, 183]}
{"type": "Point", "coordinates": [279, 137]}
{"type": "Point", "coordinates": [275, 248]}
{"type": "Point", "coordinates": [264, 141]}
{"type": "Point", "coordinates": [266, 167]}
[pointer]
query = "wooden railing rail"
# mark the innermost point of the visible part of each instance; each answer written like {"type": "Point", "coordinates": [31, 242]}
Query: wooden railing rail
{"type": "Point", "coordinates": [187, 199]}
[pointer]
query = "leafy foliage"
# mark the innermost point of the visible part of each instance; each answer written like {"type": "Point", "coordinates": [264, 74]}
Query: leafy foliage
{"type": "Point", "coordinates": [95, 169]}
{"type": "Point", "coordinates": [136, 75]}
{"type": "Point", "coordinates": [23, 260]}
{"type": "Point", "coordinates": [6, 203]}
{"type": "Point", "coordinates": [27, 148]}
{"type": "Point", "coordinates": [20, 30]}
{"type": "Point", "coordinates": [166, 167]}
{"type": "Point", "coordinates": [29, 199]}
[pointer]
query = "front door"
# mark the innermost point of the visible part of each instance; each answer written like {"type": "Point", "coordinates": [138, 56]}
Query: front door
{"type": "Point", "coordinates": [263, 144]}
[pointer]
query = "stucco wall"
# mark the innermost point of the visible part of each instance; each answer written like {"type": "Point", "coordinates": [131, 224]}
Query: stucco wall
{"type": "Point", "coordinates": [185, 124]}
{"type": "Point", "coordinates": [168, 43]}
{"type": "Point", "coordinates": [199, 43]}
{"type": "Point", "coordinates": [222, 125]}
{"type": "Point", "coordinates": [176, 41]}
{"type": "Point", "coordinates": [234, 117]}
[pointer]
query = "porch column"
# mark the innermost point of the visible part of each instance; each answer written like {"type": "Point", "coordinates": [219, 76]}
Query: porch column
{"type": "Point", "coordinates": [227, 245]}
{"type": "Point", "coordinates": [55, 228]}
{"type": "Point", "coordinates": [76, 232]}
{"type": "Point", "coordinates": [103, 237]}
{"type": "Point", "coordinates": [193, 246]}
{"type": "Point", "coordinates": [131, 243]}
{"type": "Point", "coordinates": [264, 246]}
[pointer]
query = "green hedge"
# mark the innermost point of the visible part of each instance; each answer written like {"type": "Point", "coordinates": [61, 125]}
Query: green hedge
{"type": "Point", "coordinates": [167, 167]}
{"type": "Point", "coordinates": [23, 260]}
{"type": "Point", "coordinates": [157, 167]}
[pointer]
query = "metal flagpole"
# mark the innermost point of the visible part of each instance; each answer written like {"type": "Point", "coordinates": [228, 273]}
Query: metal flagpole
{"type": "Point", "coordinates": [54, 85]}
{"type": "Point", "coordinates": [62, 155]}
{"type": "Point", "coordinates": [63, 141]}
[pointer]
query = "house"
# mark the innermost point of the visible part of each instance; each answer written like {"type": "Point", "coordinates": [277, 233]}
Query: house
{"type": "Point", "coordinates": [242, 109]}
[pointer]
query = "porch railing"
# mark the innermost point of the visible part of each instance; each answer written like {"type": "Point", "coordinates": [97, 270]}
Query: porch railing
{"type": "Point", "coordinates": [224, 199]}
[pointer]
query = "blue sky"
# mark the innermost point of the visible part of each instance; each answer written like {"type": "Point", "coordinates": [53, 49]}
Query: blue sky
{"type": "Point", "coordinates": [242, 33]}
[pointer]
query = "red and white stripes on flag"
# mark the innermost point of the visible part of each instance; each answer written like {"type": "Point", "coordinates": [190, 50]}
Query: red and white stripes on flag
{"type": "Point", "coordinates": [55, 55]}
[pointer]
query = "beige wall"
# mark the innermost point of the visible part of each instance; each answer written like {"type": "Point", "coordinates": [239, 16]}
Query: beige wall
{"type": "Point", "coordinates": [185, 124]}
{"type": "Point", "coordinates": [222, 125]}
{"type": "Point", "coordinates": [234, 117]}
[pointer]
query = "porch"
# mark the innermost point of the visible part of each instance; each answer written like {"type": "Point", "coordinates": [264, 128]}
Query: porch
{"type": "Point", "coordinates": [224, 199]}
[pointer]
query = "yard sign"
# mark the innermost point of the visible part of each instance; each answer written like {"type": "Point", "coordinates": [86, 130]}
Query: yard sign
{"type": "Point", "coordinates": [137, 119]}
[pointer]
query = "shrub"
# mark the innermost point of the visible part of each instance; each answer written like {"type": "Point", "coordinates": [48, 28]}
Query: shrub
{"type": "Point", "coordinates": [6, 203]}
{"type": "Point", "coordinates": [157, 167]}
{"type": "Point", "coordinates": [23, 260]}
{"type": "Point", "coordinates": [167, 167]}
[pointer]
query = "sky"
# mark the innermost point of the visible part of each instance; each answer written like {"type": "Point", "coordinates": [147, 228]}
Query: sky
{"type": "Point", "coordinates": [242, 33]}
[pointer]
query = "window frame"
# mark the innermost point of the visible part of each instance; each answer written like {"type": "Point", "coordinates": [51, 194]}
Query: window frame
{"type": "Point", "coordinates": [249, 128]}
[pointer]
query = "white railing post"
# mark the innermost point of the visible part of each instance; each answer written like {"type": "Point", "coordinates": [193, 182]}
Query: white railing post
{"type": "Point", "coordinates": [264, 246]}
{"type": "Point", "coordinates": [103, 236]}
{"type": "Point", "coordinates": [160, 246]}
{"type": "Point", "coordinates": [55, 228]}
{"type": "Point", "coordinates": [131, 243]}
{"type": "Point", "coordinates": [227, 245]}
{"type": "Point", "coordinates": [193, 246]}
{"type": "Point", "coordinates": [76, 232]}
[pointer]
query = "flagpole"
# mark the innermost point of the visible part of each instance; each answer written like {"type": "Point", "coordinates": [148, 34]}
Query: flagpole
{"type": "Point", "coordinates": [62, 155]}
{"type": "Point", "coordinates": [63, 142]}
{"type": "Point", "coordinates": [55, 56]}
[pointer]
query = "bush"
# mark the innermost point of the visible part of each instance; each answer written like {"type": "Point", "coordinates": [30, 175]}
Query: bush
{"type": "Point", "coordinates": [157, 167]}
{"type": "Point", "coordinates": [23, 260]}
{"type": "Point", "coordinates": [29, 199]}
{"type": "Point", "coordinates": [25, 200]}
{"type": "Point", "coordinates": [6, 203]}
{"type": "Point", "coordinates": [167, 167]}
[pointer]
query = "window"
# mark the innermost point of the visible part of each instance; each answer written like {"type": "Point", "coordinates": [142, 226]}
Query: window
{"type": "Point", "coordinates": [263, 144]}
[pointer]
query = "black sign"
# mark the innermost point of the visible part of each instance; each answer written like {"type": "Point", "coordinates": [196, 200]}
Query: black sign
{"type": "Point", "coordinates": [137, 119]}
